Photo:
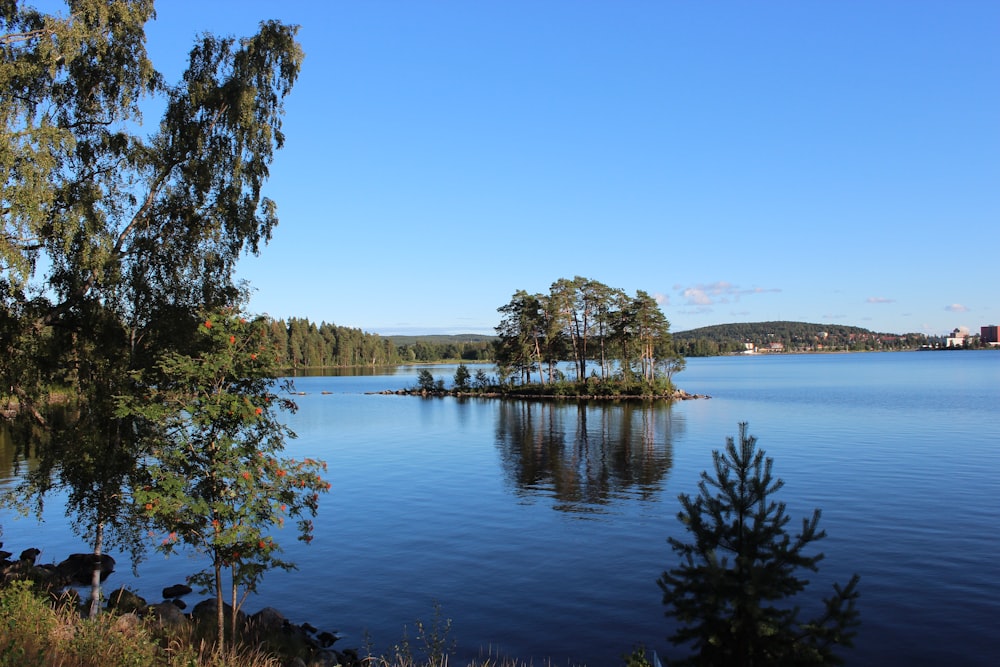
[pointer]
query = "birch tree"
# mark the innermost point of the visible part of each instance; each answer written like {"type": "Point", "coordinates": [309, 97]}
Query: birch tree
{"type": "Point", "coordinates": [112, 237]}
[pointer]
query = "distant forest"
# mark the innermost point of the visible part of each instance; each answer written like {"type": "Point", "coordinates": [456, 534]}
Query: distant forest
{"type": "Point", "coordinates": [311, 345]}
{"type": "Point", "coordinates": [788, 337]}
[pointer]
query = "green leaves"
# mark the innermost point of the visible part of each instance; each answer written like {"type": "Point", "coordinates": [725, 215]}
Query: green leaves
{"type": "Point", "coordinates": [216, 479]}
{"type": "Point", "coordinates": [585, 321]}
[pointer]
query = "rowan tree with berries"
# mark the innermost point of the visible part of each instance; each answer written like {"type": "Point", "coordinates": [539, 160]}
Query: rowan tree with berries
{"type": "Point", "coordinates": [216, 478]}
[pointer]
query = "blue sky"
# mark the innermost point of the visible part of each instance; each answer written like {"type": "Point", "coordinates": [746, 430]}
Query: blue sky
{"type": "Point", "coordinates": [831, 162]}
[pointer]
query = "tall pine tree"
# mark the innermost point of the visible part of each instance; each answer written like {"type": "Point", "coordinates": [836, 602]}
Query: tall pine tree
{"type": "Point", "coordinates": [731, 593]}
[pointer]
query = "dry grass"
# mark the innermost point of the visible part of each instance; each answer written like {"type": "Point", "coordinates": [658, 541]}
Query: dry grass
{"type": "Point", "coordinates": [34, 632]}
{"type": "Point", "coordinates": [37, 632]}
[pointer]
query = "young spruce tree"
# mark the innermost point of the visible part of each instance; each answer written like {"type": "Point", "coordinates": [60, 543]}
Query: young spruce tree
{"type": "Point", "coordinates": [731, 592]}
{"type": "Point", "coordinates": [217, 481]}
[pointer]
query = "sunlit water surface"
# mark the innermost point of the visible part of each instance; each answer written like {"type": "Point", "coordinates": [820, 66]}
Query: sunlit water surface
{"type": "Point", "coordinates": [541, 528]}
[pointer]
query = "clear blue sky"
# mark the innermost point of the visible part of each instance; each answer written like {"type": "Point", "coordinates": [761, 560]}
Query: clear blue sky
{"type": "Point", "coordinates": [824, 161]}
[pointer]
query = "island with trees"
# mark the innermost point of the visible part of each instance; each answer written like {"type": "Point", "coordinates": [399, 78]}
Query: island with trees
{"type": "Point", "coordinates": [614, 345]}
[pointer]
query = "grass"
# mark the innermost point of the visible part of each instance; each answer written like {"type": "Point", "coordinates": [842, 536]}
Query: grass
{"type": "Point", "coordinates": [37, 630]}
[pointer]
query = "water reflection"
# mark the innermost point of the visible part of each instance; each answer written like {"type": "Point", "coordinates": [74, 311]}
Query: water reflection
{"type": "Point", "coordinates": [19, 442]}
{"type": "Point", "coordinates": [585, 455]}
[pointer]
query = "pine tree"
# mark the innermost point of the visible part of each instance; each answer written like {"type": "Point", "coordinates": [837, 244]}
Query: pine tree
{"type": "Point", "coordinates": [731, 592]}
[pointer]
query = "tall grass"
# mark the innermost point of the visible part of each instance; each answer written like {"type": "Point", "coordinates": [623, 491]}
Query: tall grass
{"type": "Point", "coordinates": [34, 632]}
{"type": "Point", "coordinates": [37, 631]}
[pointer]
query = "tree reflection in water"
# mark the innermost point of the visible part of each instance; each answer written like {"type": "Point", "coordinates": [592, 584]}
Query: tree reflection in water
{"type": "Point", "coordinates": [585, 454]}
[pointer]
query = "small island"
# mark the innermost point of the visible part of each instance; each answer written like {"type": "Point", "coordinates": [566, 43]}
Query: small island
{"type": "Point", "coordinates": [619, 347]}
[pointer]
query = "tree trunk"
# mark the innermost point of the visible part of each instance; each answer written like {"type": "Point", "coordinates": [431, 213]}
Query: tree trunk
{"type": "Point", "coordinates": [220, 615]}
{"type": "Point", "coordinates": [95, 574]}
{"type": "Point", "coordinates": [232, 613]}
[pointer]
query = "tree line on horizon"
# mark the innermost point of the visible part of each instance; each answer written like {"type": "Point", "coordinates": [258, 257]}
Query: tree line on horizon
{"type": "Point", "coordinates": [720, 339]}
{"type": "Point", "coordinates": [303, 344]}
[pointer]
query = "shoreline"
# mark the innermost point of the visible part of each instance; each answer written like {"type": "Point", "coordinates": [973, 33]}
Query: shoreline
{"type": "Point", "coordinates": [677, 395]}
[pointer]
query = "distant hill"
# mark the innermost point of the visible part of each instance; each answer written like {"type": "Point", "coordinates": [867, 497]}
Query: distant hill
{"type": "Point", "coordinates": [787, 336]}
{"type": "Point", "coordinates": [439, 339]}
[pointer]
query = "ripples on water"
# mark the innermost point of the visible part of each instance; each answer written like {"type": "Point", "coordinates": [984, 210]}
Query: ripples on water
{"type": "Point", "coordinates": [541, 528]}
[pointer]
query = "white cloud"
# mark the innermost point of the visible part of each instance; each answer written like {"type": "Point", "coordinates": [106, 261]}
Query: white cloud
{"type": "Point", "coordinates": [879, 299]}
{"type": "Point", "coordinates": [696, 297]}
{"type": "Point", "coordinates": [956, 308]}
{"type": "Point", "coordinates": [718, 292]}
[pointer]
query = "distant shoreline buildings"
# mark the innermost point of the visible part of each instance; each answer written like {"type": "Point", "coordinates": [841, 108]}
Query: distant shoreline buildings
{"type": "Point", "coordinates": [988, 336]}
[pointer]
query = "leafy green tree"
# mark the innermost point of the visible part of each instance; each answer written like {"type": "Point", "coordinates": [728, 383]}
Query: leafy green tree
{"type": "Point", "coordinates": [114, 236]}
{"type": "Point", "coordinates": [520, 332]}
{"type": "Point", "coordinates": [574, 305]}
{"type": "Point", "coordinates": [670, 363]}
{"type": "Point", "coordinates": [651, 329]}
{"type": "Point", "coordinates": [481, 381]}
{"type": "Point", "coordinates": [582, 321]}
{"type": "Point", "coordinates": [217, 481]}
{"type": "Point", "coordinates": [462, 377]}
{"type": "Point", "coordinates": [730, 591]}
{"type": "Point", "coordinates": [425, 380]}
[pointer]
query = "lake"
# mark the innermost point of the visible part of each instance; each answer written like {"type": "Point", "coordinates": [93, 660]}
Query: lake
{"type": "Point", "coordinates": [540, 528]}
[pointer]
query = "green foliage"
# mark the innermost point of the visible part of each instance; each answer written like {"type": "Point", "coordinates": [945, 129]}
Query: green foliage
{"type": "Point", "coordinates": [793, 336]}
{"type": "Point", "coordinates": [637, 658]}
{"type": "Point", "coordinates": [115, 232]}
{"type": "Point", "coordinates": [216, 481]}
{"type": "Point", "coordinates": [583, 321]}
{"type": "Point", "coordinates": [425, 380]}
{"type": "Point", "coordinates": [32, 632]}
{"type": "Point", "coordinates": [304, 344]}
{"type": "Point", "coordinates": [25, 625]}
{"type": "Point", "coordinates": [729, 592]}
{"type": "Point", "coordinates": [462, 376]}
{"type": "Point", "coordinates": [440, 347]}
{"type": "Point", "coordinates": [481, 380]}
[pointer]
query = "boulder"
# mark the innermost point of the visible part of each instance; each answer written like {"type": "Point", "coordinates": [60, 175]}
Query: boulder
{"type": "Point", "coordinates": [167, 615]}
{"type": "Point", "coordinates": [176, 591]}
{"type": "Point", "coordinates": [205, 611]}
{"type": "Point", "coordinates": [268, 620]}
{"type": "Point", "coordinates": [127, 624]}
{"type": "Point", "coordinates": [327, 639]}
{"type": "Point", "coordinates": [123, 601]}
{"type": "Point", "coordinates": [79, 568]}
{"type": "Point", "coordinates": [29, 555]}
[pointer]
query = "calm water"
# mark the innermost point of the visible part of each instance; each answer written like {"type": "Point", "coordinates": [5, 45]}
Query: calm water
{"type": "Point", "coordinates": [541, 528]}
